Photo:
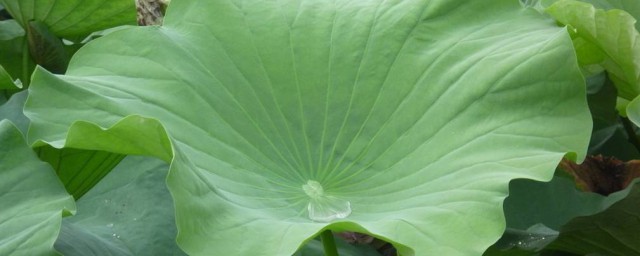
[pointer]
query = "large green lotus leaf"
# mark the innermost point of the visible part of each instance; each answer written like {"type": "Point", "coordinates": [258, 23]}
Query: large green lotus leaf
{"type": "Point", "coordinates": [607, 38]}
{"type": "Point", "coordinates": [130, 212]}
{"type": "Point", "coordinates": [71, 18]}
{"type": "Point", "coordinates": [402, 119]}
{"type": "Point", "coordinates": [33, 199]}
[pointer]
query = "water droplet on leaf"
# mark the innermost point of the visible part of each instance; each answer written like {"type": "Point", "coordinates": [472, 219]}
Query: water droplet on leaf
{"type": "Point", "coordinates": [110, 225]}
{"type": "Point", "coordinates": [313, 189]}
{"type": "Point", "coordinates": [322, 207]}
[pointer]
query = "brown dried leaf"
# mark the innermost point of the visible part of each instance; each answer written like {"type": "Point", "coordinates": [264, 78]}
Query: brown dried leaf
{"type": "Point", "coordinates": [150, 12]}
{"type": "Point", "coordinates": [355, 238]}
{"type": "Point", "coordinates": [602, 175]}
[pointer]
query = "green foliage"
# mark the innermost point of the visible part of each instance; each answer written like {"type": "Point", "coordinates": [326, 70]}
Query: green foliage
{"type": "Point", "coordinates": [611, 232]}
{"type": "Point", "coordinates": [11, 42]}
{"type": "Point", "coordinates": [12, 111]}
{"type": "Point", "coordinates": [292, 128]}
{"type": "Point", "coordinates": [271, 123]}
{"type": "Point", "coordinates": [560, 199]}
{"type": "Point", "coordinates": [129, 213]}
{"type": "Point", "coordinates": [604, 41]}
{"type": "Point", "coordinates": [6, 82]}
{"type": "Point", "coordinates": [314, 248]}
{"type": "Point", "coordinates": [605, 38]}
{"type": "Point", "coordinates": [546, 222]}
{"type": "Point", "coordinates": [629, 6]}
{"type": "Point", "coordinates": [79, 170]}
{"type": "Point", "coordinates": [47, 50]}
{"type": "Point", "coordinates": [72, 18]}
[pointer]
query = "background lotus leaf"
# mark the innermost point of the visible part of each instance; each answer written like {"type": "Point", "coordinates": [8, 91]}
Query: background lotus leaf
{"type": "Point", "coordinates": [611, 232]}
{"type": "Point", "coordinates": [73, 18]}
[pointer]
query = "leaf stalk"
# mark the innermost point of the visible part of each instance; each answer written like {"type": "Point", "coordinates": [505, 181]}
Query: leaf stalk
{"type": "Point", "coordinates": [25, 63]}
{"type": "Point", "coordinates": [329, 243]}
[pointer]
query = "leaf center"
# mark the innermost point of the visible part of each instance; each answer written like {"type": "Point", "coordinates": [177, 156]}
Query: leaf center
{"type": "Point", "coordinates": [324, 208]}
{"type": "Point", "coordinates": [313, 189]}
